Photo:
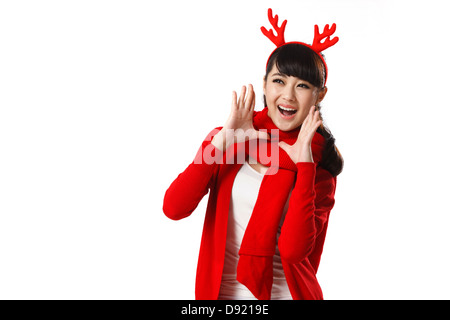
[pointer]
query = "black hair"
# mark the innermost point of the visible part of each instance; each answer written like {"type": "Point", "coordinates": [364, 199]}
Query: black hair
{"type": "Point", "coordinates": [297, 60]}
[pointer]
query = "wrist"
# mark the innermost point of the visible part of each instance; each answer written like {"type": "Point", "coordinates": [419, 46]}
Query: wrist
{"type": "Point", "coordinates": [221, 141]}
{"type": "Point", "coordinates": [218, 140]}
{"type": "Point", "coordinates": [305, 154]}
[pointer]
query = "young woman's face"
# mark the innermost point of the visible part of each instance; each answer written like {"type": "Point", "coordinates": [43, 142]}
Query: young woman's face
{"type": "Point", "coordinates": [289, 99]}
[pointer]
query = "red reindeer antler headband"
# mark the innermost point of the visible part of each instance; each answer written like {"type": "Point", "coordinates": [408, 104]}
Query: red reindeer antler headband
{"type": "Point", "coordinates": [317, 45]}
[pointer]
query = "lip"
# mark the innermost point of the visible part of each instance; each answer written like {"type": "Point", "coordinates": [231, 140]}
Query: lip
{"type": "Point", "coordinates": [287, 107]}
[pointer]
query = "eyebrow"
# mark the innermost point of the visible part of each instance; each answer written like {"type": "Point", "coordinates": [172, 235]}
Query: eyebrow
{"type": "Point", "coordinates": [279, 74]}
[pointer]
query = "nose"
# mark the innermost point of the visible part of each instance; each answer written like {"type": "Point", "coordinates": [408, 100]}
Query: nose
{"type": "Point", "coordinates": [289, 93]}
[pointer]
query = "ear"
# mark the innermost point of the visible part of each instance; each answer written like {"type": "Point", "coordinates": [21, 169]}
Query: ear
{"type": "Point", "coordinates": [264, 85]}
{"type": "Point", "coordinates": [321, 95]}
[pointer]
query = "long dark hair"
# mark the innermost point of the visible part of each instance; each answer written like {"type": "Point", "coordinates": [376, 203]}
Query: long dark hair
{"type": "Point", "coordinates": [299, 61]}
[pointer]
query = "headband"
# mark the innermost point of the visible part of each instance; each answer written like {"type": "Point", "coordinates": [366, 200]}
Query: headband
{"type": "Point", "coordinates": [317, 45]}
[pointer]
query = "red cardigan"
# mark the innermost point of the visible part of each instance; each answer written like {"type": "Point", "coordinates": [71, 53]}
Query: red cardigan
{"type": "Point", "coordinates": [306, 221]}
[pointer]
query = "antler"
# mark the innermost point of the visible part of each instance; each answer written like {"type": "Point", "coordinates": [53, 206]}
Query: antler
{"type": "Point", "coordinates": [319, 46]}
{"type": "Point", "coordinates": [279, 39]}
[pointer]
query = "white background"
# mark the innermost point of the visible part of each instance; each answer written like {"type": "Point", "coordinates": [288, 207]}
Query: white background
{"type": "Point", "coordinates": [103, 103]}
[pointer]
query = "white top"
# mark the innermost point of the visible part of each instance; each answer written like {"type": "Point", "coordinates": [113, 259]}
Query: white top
{"type": "Point", "coordinates": [243, 198]}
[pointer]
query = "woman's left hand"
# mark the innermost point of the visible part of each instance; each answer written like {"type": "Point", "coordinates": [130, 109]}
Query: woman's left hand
{"type": "Point", "coordinates": [300, 151]}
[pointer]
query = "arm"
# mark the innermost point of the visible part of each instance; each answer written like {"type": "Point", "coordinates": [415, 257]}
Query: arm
{"type": "Point", "coordinates": [312, 197]}
{"type": "Point", "coordinates": [188, 189]}
{"type": "Point", "coordinates": [309, 206]}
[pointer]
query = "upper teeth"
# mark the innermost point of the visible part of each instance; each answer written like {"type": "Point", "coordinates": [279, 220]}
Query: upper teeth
{"type": "Point", "coordinates": [287, 109]}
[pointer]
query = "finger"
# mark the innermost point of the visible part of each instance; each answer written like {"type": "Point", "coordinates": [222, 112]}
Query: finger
{"type": "Point", "coordinates": [242, 97]}
{"type": "Point", "coordinates": [250, 97]}
{"type": "Point", "coordinates": [308, 119]}
{"type": "Point", "coordinates": [283, 145]}
{"type": "Point", "coordinates": [317, 125]}
{"type": "Point", "coordinates": [311, 114]}
{"type": "Point", "coordinates": [254, 102]}
{"type": "Point", "coordinates": [312, 110]}
{"type": "Point", "coordinates": [316, 121]}
{"type": "Point", "coordinates": [233, 100]}
{"type": "Point", "coordinates": [317, 115]}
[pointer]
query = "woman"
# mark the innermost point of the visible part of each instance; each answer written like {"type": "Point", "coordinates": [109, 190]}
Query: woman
{"type": "Point", "coordinates": [267, 216]}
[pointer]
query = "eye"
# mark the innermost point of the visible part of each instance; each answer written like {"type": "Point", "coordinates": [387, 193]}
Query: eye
{"type": "Point", "coordinates": [278, 81]}
{"type": "Point", "coordinates": [302, 85]}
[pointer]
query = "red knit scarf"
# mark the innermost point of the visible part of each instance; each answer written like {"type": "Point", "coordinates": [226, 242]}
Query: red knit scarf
{"type": "Point", "coordinates": [255, 267]}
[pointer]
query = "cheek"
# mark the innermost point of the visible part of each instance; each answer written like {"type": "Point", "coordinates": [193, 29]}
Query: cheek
{"type": "Point", "coordinates": [271, 92]}
{"type": "Point", "coordinates": [306, 98]}
{"type": "Point", "coordinates": [302, 115]}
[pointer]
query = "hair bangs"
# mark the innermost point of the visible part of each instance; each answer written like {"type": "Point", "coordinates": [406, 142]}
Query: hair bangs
{"type": "Point", "coordinates": [298, 61]}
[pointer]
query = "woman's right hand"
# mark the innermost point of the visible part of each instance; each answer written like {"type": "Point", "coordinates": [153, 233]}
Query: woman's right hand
{"type": "Point", "coordinates": [239, 125]}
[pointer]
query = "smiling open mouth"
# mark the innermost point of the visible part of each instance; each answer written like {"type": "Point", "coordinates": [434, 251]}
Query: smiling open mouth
{"type": "Point", "coordinates": [287, 112]}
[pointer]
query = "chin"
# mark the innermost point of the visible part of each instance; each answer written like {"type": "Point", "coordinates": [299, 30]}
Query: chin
{"type": "Point", "coordinates": [284, 125]}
